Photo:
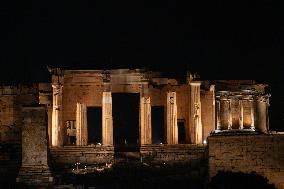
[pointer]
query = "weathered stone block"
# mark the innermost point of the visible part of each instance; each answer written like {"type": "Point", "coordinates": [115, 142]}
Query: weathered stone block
{"type": "Point", "coordinates": [259, 153]}
{"type": "Point", "coordinates": [34, 169]}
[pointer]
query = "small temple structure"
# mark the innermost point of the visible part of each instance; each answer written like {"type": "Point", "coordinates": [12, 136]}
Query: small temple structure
{"type": "Point", "coordinates": [90, 116]}
{"type": "Point", "coordinates": [192, 109]}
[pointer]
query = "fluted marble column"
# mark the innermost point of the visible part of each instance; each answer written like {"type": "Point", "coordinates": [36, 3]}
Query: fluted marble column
{"type": "Point", "coordinates": [107, 125]}
{"type": "Point", "coordinates": [57, 126]}
{"type": "Point", "coordinates": [172, 129]}
{"type": "Point", "coordinates": [49, 124]}
{"type": "Point", "coordinates": [195, 109]}
{"type": "Point", "coordinates": [145, 121]}
{"type": "Point", "coordinates": [241, 114]}
{"type": "Point", "coordinates": [252, 113]}
{"type": "Point", "coordinates": [230, 118]}
{"type": "Point", "coordinates": [262, 112]}
{"type": "Point", "coordinates": [218, 112]}
{"type": "Point", "coordinates": [212, 90]}
{"type": "Point", "coordinates": [81, 125]}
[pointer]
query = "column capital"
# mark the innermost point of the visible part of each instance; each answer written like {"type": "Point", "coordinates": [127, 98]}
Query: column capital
{"type": "Point", "coordinates": [239, 96]}
{"type": "Point", "coordinates": [106, 77]}
{"type": "Point", "coordinates": [57, 87]}
{"type": "Point", "coordinates": [195, 83]}
{"type": "Point", "coordinates": [212, 88]}
{"type": "Point", "coordinates": [263, 98]}
{"type": "Point", "coordinates": [146, 99]}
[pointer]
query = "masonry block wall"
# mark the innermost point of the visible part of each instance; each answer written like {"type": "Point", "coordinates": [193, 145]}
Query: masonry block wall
{"type": "Point", "coordinates": [11, 121]}
{"type": "Point", "coordinates": [182, 153]}
{"type": "Point", "coordinates": [262, 154]}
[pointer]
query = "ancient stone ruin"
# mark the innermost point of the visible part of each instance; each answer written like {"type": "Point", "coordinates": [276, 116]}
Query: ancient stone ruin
{"type": "Point", "coordinates": [90, 116]}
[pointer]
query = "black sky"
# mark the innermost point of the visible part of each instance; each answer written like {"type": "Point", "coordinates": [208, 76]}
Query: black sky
{"type": "Point", "coordinates": [217, 39]}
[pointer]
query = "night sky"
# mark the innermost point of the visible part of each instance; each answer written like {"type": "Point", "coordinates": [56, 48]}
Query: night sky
{"type": "Point", "coordinates": [218, 40]}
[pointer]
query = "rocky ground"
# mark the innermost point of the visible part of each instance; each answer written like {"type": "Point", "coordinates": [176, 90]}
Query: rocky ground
{"type": "Point", "coordinates": [140, 175]}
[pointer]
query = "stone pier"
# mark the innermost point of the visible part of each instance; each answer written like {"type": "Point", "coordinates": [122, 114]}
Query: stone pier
{"type": "Point", "coordinates": [107, 129]}
{"type": "Point", "coordinates": [172, 129]}
{"type": "Point", "coordinates": [34, 169]}
{"type": "Point", "coordinates": [81, 125]}
{"type": "Point", "coordinates": [57, 127]}
{"type": "Point", "coordinates": [195, 111]}
{"type": "Point", "coordinates": [262, 112]}
{"type": "Point", "coordinates": [145, 121]}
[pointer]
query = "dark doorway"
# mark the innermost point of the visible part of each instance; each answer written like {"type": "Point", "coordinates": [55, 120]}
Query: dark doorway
{"type": "Point", "coordinates": [94, 119]}
{"type": "Point", "coordinates": [157, 113]}
{"type": "Point", "coordinates": [125, 112]}
{"type": "Point", "coordinates": [181, 132]}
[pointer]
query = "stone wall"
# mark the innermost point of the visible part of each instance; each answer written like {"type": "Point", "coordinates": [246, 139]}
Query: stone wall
{"type": "Point", "coordinates": [11, 120]}
{"type": "Point", "coordinates": [69, 155]}
{"type": "Point", "coordinates": [178, 153]}
{"type": "Point", "coordinates": [11, 100]}
{"type": "Point", "coordinates": [262, 154]}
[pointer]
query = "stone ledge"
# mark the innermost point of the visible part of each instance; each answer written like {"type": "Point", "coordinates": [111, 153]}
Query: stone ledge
{"type": "Point", "coordinates": [35, 175]}
{"type": "Point", "coordinates": [178, 152]}
{"type": "Point", "coordinates": [83, 154]}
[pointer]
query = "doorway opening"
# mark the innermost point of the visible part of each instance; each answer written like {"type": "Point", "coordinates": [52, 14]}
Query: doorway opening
{"type": "Point", "coordinates": [181, 132]}
{"type": "Point", "coordinates": [94, 121]}
{"type": "Point", "coordinates": [157, 113]}
{"type": "Point", "coordinates": [125, 112]}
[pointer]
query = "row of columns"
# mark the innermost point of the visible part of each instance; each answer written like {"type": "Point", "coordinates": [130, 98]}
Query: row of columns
{"type": "Point", "coordinates": [258, 111]}
{"type": "Point", "coordinates": [145, 118]}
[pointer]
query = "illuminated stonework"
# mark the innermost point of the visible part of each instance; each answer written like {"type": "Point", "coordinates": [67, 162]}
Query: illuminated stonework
{"type": "Point", "coordinates": [192, 102]}
{"type": "Point", "coordinates": [76, 90]}
{"type": "Point", "coordinates": [172, 119]}
{"type": "Point", "coordinates": [248, 108]}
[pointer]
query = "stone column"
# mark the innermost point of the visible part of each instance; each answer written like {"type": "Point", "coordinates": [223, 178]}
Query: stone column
{"type": "Point", "coordinates": [57, 126]}
{"type": "Point", "coordinates": [252, 127]}
{"type": "Point", "coordinates": [212, 90]}
{"type": "Point", "coordinates": [172, 129]}
{"type": "Point", "coordinates": [241, 115]}
{"type": "Point", "coordinates": [81, 125]}
{"type": "Point", "coordinates": [49, 124]}
{"type": "Point", "coordinates": [218, 112]}
{"type": "Point", "coordinates": [145, 121]}
{"type": "Point", "coordinates": [262, 109]}
{"type": "Point", "coordinates": [107, 126]}
{"type": "Point", "coordinates": [34, 169]}
{"type": "Point", "coordinates": [195, 111]}
{"type": "Point", "coordinates": [230, 120]}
